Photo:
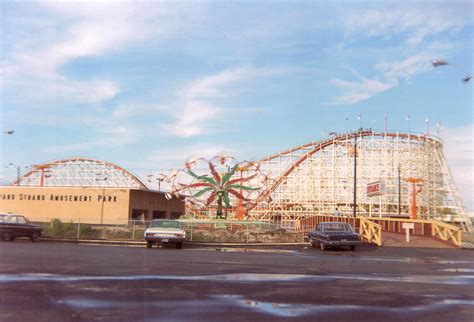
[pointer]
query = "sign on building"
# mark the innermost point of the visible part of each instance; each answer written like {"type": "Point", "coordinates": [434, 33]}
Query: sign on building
{"type": "Point", "coordinates": [375, 188]}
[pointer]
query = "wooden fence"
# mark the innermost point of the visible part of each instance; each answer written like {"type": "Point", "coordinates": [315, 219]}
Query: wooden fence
{"type": "Point", "coordinates": [371, 228]}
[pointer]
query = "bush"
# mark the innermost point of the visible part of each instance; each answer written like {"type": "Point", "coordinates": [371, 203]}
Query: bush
{"type": "Point", "coordinates": [56, 228]}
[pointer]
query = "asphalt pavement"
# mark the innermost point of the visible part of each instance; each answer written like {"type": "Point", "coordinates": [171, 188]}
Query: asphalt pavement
{"type": "Point", "coordinates": [73, 282]}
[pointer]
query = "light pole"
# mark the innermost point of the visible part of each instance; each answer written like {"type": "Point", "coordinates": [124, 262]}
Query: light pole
{"type": "Point", "coordinates": [354, 212]}
{"type": "Point", "coordinates": [439, 128]}
{"type": "Point", "coordinates": [399, 191]}
{"type": "Point", "coordinates": [102, 200]}
{"type": "Point", "coordinates": [17, 168]}
{"type": "Point", "coordinates": [409, 123]}
{"type": "Point", "coordinates": [415, 190]}
{"type": "Point", "coordinates": [160, 179]}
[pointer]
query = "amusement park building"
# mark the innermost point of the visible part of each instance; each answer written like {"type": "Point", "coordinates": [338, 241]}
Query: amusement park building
{"type": "Point", "coordinates": [87, 191]}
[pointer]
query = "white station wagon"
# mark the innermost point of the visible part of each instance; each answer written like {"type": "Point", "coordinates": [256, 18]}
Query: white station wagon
{"type": "Point", "coordinates": [164, 231]}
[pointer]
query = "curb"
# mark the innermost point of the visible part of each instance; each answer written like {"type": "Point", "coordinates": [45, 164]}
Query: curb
{"type": "Point", "coordinates": [142, 243]}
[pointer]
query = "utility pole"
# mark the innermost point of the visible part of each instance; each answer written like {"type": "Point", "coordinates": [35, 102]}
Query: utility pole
{"type": "Point", "coordinates": [399, 192]}
{"type": "Point", "coordinates": [415, 191]}
{"type": "Point", "coordinates": [102, 207]}
{"type": "Point", "coordinates": [17, 175]}
{"type": "Point", "coordinates": [17, 168]}
{"type": "Point", "coordinates": [354, 212]}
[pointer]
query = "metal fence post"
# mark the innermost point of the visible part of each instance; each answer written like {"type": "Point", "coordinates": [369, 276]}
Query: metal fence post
{"type": "Point", "coordinates": [79, 229]}
{"type": "Point", "coordinates": [133, 229]}
{"type": "Point", "coordinates": [247, 234]}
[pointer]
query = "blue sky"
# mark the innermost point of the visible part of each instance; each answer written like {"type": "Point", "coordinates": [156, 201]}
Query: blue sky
{"type": "Point", "coordinates": [147, 84]}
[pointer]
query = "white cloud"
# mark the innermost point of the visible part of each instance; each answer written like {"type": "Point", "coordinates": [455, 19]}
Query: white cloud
{"type": "Point", "coordinates": [176, 157]}
{"type": "Point", "coordinates": [104, 134]}
{"type": "Point", "coordinates": [81, 29]}
{"type": "Point", "coordinates": [404, 69]}
{"type": "Point", "coordinates": [358, 91]}
{"type": "Point", "coordinates": [197, 105]}
{"type": "Point", "coordinates": [126, 111]}
{"type": "Point", "coordinates": [416, 22]}
{"type": "Point", "coordinates": [193, 119]}
{"type": "Point", "coordinates": [390, 74]}
{"type": "Point", "coordinates": [459, 151]}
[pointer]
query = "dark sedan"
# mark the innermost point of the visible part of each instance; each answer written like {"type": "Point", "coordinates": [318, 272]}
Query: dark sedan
{"type": "Point", "coordinates": [334, 234]}
{"type": "Point", "coordinates": [12, 226]}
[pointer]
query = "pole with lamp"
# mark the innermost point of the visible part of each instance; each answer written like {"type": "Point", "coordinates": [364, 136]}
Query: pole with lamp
{"type": "Point", "coordinates": [409, 123]}
{"type": "Point", "coordinates": [354, 211]}
{"type": "Point", "coordinates": [102, 199]}
{"type": "Point", "coordinates": [159, 179]}
{"type": "Point", "coordinates": [399, 191]}
{"type": "Point", "coordinates": [415, 190]}
{"type": "Point", "coordinates": [240, 207]}
{"type": "Point", "coordinates": [17, 169]}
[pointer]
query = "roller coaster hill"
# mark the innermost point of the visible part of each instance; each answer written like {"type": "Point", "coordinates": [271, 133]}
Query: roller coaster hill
{"type": "Point", "coordinates": [391, 174]}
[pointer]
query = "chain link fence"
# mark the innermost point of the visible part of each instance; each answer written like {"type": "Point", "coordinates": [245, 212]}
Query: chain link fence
{"type": "Point", "coordinates": [222, 231]}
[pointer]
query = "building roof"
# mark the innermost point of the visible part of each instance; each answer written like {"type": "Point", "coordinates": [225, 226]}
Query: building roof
{"type": "Point", "coordinates": [80, 172]}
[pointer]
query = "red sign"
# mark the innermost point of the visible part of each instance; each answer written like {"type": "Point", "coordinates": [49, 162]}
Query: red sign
{"type": "Point", "coordinates": [375, 188]}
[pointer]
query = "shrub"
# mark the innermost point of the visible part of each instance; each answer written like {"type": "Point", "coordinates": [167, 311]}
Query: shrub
{"type": "Point", "coordinates": [56, 228]}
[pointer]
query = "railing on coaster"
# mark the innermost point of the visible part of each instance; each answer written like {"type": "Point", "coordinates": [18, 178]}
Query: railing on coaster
{"type": "Point", "coordinates": [371, 228]}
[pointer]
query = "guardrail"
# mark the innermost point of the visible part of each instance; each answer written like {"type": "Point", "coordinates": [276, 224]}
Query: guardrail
{"type": "Point", "coordinates": [371, 231]}
{"type": "Point", "coordinates": [446, 232]}
{"type": "Point", "coordinates": [371, 228]}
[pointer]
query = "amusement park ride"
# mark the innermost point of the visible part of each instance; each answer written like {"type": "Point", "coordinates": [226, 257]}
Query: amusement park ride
{"type": "Point", "coordinates": [415, 190]}
{"type": "Point", "coordinates": [217, 187]}
{"type": "Point", "coordinates": [319, 177]}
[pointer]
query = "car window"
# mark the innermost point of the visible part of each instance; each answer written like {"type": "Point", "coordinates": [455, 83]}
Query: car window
{"type": "Point", "coordinates": [165, 224]}
{"type": "Point", "coordinates": [12, 220]}
{"type": "Point", "coordinates": [337, 227]}
{"type": "Point", "coordinates": [21, 220]}
{"type": "Point", "coordinates": [2, 218]}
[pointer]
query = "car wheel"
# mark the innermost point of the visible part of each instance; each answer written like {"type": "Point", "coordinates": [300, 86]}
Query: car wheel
{"type": "Point", "coordinates": [7, 236]}
{"type": "Point", "coordinates": [179, 245]}
{"type": "Point", "coordinates": [149, 244]}
{"type": "Point", "coordinates": [313, 244]}
{"type": "Point", "coordinates": [322, 246]}
{"type": "Point", "coordinates": [34, 237]}
{"type": "Point", "coordinates": [353, 247]}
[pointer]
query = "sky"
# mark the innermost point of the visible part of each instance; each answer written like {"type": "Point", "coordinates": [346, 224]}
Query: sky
{"type": "Point", "coordinates": [146, 84]}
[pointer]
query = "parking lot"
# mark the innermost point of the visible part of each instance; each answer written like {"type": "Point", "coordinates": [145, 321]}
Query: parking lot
{"type": "Point", "coordinates": [60, 281]}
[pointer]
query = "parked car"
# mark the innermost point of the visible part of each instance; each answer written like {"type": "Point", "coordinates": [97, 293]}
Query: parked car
{"type": "Point", "coordinates": [13, 226]}
{"type": "Point", "coordinates": [334, 234]}
{"type": "Point", "coordinates": [164, 231]}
